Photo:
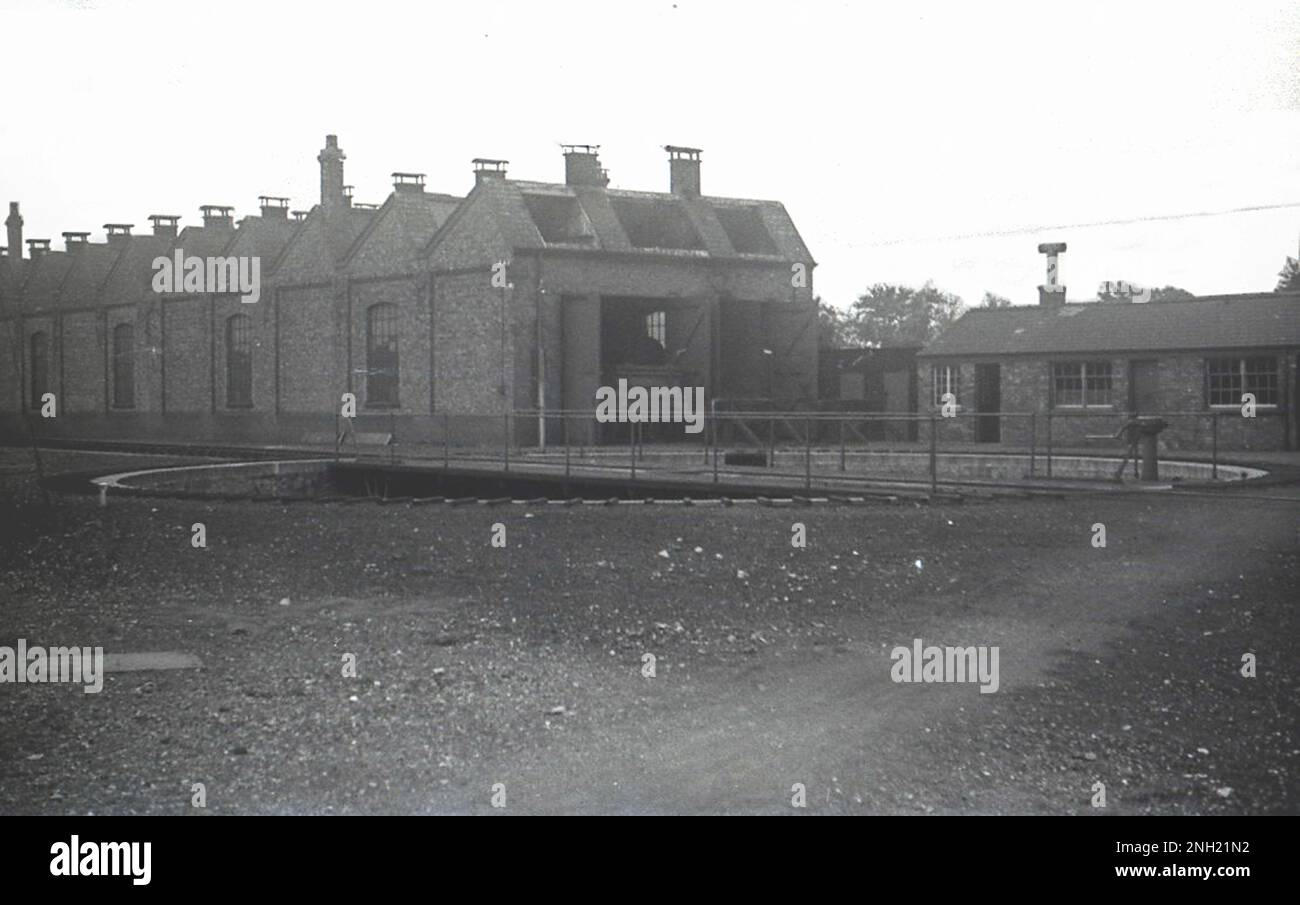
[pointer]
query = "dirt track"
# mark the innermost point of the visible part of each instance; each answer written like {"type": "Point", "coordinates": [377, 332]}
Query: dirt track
{"type": "Point", "coordinates": [1117, 664]}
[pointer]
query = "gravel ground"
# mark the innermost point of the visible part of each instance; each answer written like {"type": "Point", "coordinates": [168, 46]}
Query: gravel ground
{"type": "Point", "coordinates": [479, 665]}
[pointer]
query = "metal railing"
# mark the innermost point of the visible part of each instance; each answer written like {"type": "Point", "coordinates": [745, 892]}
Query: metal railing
{"type": "Point", "coordinates": [792, 446]}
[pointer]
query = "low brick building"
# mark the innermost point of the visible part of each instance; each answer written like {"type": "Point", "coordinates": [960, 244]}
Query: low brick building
{"type": "Point", "coordinates": [1089, 365]}
{"type": "Point", "coordinates": [520, 297]}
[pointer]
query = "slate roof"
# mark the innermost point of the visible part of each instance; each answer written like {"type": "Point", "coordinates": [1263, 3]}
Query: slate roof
{"type": "Point", "coordinates": [1210, 322]}
{"type": "Point", "coordinates": [42, 278]}
{"type": "Point", "coordinates": [132, 273]}
{"type": "Point", "coordinates": [89, 268]}
{"type": "Point", "coordinates": [417, 216]}
{"type": "Point", "coordinates": [618, 220]}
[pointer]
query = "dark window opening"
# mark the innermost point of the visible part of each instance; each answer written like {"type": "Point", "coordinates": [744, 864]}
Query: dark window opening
{"type": "Point", "coordinates": [656, 224]}
{"type": "Point", "coordinates": [40, 355]}
{"type": "Point", "coordinates": [559, 218]}
{"type": "Point", "coordinates": [944, 379]}
{"type": "Point", "coordinates": [744, 227]}
{"type": "Point", "coordinates": [381, 356]}
{"type": "Point", "coordinates": [239, 362]}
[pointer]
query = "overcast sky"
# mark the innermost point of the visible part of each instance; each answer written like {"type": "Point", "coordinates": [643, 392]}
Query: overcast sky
{"type": "Point", "coordinates": [892, 133]}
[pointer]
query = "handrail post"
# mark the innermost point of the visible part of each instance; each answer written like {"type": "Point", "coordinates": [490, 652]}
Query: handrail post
{"type": "Point", "coordinates": [807, 453]}
{"type": "Point", "coordinates": [446, 440]}
{"type": "Point", "coordinates": [771, 443]}
{"type": "Point", "coordinates": [1049, 443]}
{"type": "Point", "coordinates": [1033, 442]}
{"type": "Point", "coordinates": [715, 446]}
{"type": "Point", "coordinates": [1214, 446]}
{"type": "Point", "coordinates": [934, 454]}
{"type": "Point", "coordinates": [631, 442]}
{"type": "Point", "coordinates": [843, 451]}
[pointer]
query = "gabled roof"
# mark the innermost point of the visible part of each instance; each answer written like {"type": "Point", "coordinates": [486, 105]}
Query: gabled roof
{"type": "Point", "coordinates": [203, 241]}
{"type": "Point", "coordinates": [11, 281]}
{"type": "Point", "coordinates": [262, 236]}
{"type": "Point", "coordinates": [408, 219]}
{"type": "Point", "coordinates": [536, 216]}
{"type": "Point", "coordinates": [43, 277]}
{"type": "Point", "coordinates": [132, 272]}
{"type": "Point", "coordinates": [1256, 320]}
{"type": "Point", "coordinates": [310, 239]}
{"type": "Point", "coordinates": [89, 267]}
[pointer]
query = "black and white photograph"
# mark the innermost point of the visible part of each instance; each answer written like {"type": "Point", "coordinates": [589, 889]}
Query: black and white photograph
{"type": "Point", "coordinates": [650, 408]}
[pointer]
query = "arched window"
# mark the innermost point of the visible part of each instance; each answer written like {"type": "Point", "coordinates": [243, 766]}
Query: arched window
{"type": "Point", "coordinates": [381, 356]}
{"type": "Point", "coordinates": [239, 361]}
{"type": "Point", "coordinates": [124, 366]}
{"type": "Point", "coordinates": [40, 357]}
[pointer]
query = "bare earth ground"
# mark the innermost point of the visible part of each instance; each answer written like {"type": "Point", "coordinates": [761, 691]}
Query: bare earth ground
{"type": "Point", "coordinates": [1118, 665]}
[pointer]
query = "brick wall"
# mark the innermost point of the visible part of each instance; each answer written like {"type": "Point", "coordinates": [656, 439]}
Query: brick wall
{"type": "Point", "coordinates": [312, 359]}
{"type": "Point", "coordinates": [83, 370]}
{"type": "Point", "coordinates": [1180, 387]}
{"type": "Point", "coordinates": [186, 355]}
{"type": "Point", "coordinates": [10, 366]}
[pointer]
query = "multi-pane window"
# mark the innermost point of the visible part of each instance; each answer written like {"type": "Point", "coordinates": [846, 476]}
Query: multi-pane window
{"type": "Point", "coordinates": [124, 366]}
{"type": "Point", "coordinates": [943, 379]}
{"type": "Point", "coordinates": [656, 327]}
{"type": "Point", "coordinates": [239, 361]}
{"type": "Point", "coordinates": [40, 359]}
{"type": "Point", "coordinates": [1228, 378]}
{"type": "Point", "coordinates": [381, 356]}
{"type": "Point", "coordinates": [1081, 383]}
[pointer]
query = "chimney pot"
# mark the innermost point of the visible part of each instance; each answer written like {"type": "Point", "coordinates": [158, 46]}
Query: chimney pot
{"type": "Point", "coordinates": [274, 207]}
{"type": "Point", "coordinates": [408, 182]}
{"type": "Point", "coordinates": [164, 225]}
{"type": "Point", "coordinates": [582, 165]}
{"type": "Point", "coordinates": [488, 168]}
{"type": "Point", "coordinates": [221, 216]}
{"type": "Point", "coordinates": [299, 216]}
{"type": "Point", "coordinates": [75, 241]}
{"type": "Point", "coordinates": [683, 170]}
{"type": "Point", "coordinates": [37, 247]}
{"type": "Point", "coordinates": [118, 232]}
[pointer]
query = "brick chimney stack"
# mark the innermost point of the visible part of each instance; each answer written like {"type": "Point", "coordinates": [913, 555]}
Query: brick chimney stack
{"type": "Point", "coordinates": [273, 207]}
{"type": "Point", "coordinates": [582, 165]}
{"type": "Point", "coordinates": [683, 171]}
{"type": "Point", "coordinates": [331, 178]}
{"type": "Point", "coordinates": [73, 242]}
{"type": "Point", "coordinates": [219, 216]}
{"type": "Point", "coordinates": [488, 168]}
{"type": "Point", "coordinates": [164, 225]}
{"type": "Point", "coordinates": [117, 232]}
{"type": "Point", "coordinates": [14, 223]}
{"type": "Point", "coordinates": [408, 182]}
